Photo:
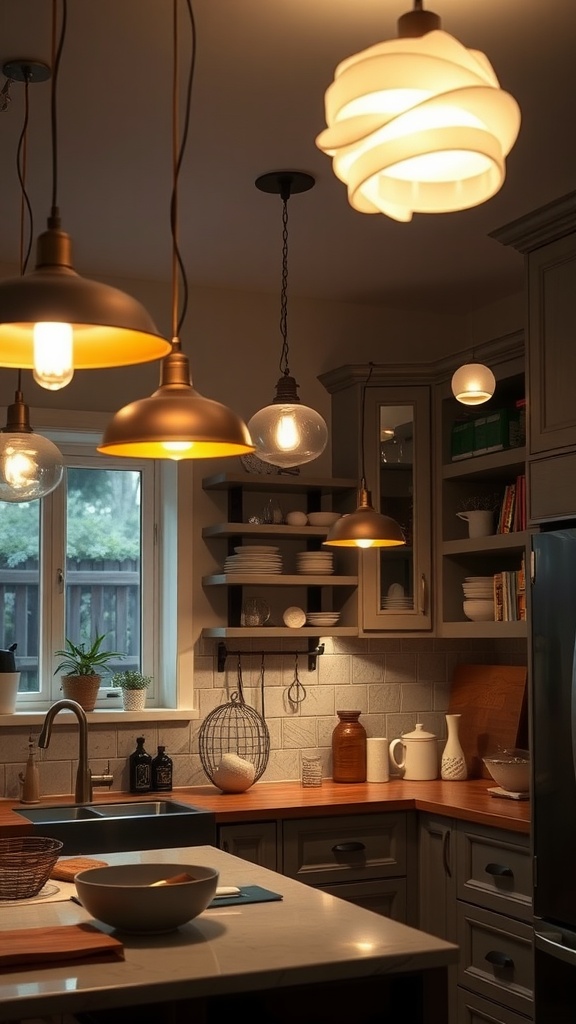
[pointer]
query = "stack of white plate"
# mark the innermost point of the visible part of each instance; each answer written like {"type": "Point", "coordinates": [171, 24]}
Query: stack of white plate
{"type": "Point", "coordinates": [315, 563]}
{"type": "Point", "coordinates": [322, 618]}
{"type": "Point", "coordinates": [479, 588]}
{"type": "Point", "coordinates": [254, 558]}
{"type": "Point", "coordinates": [397, 604]}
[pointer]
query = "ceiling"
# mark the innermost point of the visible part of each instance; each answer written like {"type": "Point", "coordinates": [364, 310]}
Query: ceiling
{"type": "Point", "coordinates": [257, 106]}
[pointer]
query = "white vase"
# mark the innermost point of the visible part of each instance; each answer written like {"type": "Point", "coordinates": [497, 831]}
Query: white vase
{"type": "Point", "coordinates": [453, 764]}
{"type": "Point", "coordinates": [134, 700]}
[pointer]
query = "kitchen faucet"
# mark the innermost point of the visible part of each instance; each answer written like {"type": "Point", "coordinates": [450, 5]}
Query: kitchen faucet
{"type": "Point", "coordinates": [84, 778]}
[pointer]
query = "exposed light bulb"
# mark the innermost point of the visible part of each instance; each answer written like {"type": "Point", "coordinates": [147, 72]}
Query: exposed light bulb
{"type": "Point", "coordinates": [30, 466]}
{"type": "Point", "coordinates": [177, 449]}
{"type": "Point", "coordinates": [287, 432]}
{"type": "Point", "coordinates": [19, 468]}
{"type": "Point", "coordinates": [364, 543]}
{"type": "Point", "coordinates": [53, 355]}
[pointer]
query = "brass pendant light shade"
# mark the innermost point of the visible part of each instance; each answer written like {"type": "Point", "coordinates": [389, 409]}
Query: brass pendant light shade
{"type": "Point", "coordinates": [176, 422]}
{"type": "Point", "coordinates": [365, 528]}
{"type": "Point", "coordinates": [110, 328]}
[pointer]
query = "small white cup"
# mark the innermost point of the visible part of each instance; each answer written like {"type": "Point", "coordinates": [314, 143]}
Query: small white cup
{"type": "Point", "coordinates": [480, 522]}
{"type": "Point", "coordinates": [377, 760]}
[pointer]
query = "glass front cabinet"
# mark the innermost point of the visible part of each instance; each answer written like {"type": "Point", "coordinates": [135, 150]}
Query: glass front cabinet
{"type": "Point", "coordinates": [395, 582]}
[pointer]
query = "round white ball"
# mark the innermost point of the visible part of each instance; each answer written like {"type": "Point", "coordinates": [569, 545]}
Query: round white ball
{"type": "Point", "coordinates": [296, 518]}
{"type": "Point", "coordinates": [234, 774]}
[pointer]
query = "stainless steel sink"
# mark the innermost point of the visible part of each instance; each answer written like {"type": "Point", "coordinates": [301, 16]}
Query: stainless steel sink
{"type": "Point", "coordinates": [131, 825]}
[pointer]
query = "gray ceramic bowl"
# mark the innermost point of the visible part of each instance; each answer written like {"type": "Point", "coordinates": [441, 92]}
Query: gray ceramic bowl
{"type": "Point", "coordinates": [510, 769]}
{"type": "Point", "coordinates": [124, 897]}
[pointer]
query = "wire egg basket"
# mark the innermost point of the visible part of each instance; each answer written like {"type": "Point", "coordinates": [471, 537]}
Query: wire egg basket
{"type": "Point", "coordinates": [234, 728]}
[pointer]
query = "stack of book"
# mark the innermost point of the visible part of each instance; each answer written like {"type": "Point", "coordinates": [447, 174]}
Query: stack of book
{"type": "Point", "coordinates": [510, 595]}
{"type": "Point", "coordinates": [513, 509]}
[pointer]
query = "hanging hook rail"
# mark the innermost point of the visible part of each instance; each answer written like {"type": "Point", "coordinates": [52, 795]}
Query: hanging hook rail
{"type": "Point", "coordinates": [315, 649]}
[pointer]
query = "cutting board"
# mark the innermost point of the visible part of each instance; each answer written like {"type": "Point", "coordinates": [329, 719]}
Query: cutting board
{"type": "Point", "coordinates": [492, 701]}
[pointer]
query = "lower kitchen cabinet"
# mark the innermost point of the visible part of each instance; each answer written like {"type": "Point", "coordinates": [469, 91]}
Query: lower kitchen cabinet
{"type": "Point", "coordinates": [484, 877]}
{"type": "Point", "coordinates": [363, 858]}
{"type": "Point", "coordinates": [255, 841]}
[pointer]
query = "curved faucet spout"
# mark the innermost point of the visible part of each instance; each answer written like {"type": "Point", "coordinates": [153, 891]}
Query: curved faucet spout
{"type": "Point", "coordinates": [83, 794]}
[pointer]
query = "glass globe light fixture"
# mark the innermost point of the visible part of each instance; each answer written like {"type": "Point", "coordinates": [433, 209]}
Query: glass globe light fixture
{"type": "Point", "coordinates": [473, 384]}
{"type": "Point", "coordinates": [287, 433]}
{"type": "Point", "coordinates": [31, 466]}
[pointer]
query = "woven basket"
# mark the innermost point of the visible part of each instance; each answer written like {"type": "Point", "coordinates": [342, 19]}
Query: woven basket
{"type": "Point", "coordinates": [82, 689]}
{"type": "Point", "coordinates": [25, 865]}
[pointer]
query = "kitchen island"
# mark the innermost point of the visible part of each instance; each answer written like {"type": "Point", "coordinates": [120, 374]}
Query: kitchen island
{"type": "Point", "coordinates": [310, 957]}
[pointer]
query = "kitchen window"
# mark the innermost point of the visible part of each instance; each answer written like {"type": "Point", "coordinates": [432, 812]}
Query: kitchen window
{"type": "Point", "coordinates": [84, 561]}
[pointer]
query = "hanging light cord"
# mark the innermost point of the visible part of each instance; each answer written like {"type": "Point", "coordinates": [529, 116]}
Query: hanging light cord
{"type": "Point", "coordinates": [57, 47]}
{"type": "Point", "coordinates": [26, 215]}
{"type": "Point", "coordinates": [284, 368]}
{"type": "Point", "coordinates": [178, 151]}
{"type": "Point", "coordinates": [363, 418]}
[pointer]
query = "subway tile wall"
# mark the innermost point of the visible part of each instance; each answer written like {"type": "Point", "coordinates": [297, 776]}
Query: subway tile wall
{"type": "Point", "coordinates": [394, 682]}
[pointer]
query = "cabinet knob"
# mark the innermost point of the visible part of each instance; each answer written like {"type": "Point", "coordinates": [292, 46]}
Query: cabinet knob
{"type": "Point", "coordinates": [352, 847]}
{"type": "Point", "coordinates": [499, 870]}
{"type": "Point", "coordinates": [499, 959]}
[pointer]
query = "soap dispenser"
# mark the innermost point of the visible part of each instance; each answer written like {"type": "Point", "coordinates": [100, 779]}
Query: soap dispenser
{"type": "Point", "coordinates": [31, 779]}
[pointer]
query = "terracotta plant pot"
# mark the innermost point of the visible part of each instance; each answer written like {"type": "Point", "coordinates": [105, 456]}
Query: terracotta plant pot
{"type": "Point", "coordinates": [82, 689]}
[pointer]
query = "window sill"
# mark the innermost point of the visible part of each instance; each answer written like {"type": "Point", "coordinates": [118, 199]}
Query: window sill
{"type": "Point", "coordinates": [103, 716]}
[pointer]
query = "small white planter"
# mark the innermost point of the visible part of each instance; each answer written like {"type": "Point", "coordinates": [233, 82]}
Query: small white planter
{"type": "Point", "coordinates": [9, 682]}
{"type": "Point", "coordinates": [134, 700]}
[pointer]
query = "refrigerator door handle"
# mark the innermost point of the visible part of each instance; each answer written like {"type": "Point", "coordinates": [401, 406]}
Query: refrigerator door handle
{"type": "Point", "coordinates": [551, 942]}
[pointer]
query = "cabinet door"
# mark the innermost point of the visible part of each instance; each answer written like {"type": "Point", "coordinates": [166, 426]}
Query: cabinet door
{"type": "Point", "coordinates": [396, 581]}
{"type": "Point", "coordinates": [254, 841]}
{"type": "Point", "coordinates": [437, 876]}
{"type": "Point", "coordinates": [385, 896]}
{"type": "Point", "coordinates": [552, 356]}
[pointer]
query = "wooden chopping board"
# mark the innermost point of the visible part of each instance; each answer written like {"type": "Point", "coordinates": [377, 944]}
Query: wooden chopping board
{"type": "Point", "coordinates": [492, 701]}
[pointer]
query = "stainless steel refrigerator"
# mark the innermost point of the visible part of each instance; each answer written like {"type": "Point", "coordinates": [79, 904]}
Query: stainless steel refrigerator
{"type": "Point", "coordinates": [554, 774]}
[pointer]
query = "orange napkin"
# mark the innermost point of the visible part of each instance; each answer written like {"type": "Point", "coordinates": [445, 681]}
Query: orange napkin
{"type": "Point", "coordinates": [62, 943]}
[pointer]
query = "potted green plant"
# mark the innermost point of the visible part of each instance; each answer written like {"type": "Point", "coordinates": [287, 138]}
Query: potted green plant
{"type": "Point", "coordinates": [133, 685]}
{"type": "Point", "coordinates": [83, 668]}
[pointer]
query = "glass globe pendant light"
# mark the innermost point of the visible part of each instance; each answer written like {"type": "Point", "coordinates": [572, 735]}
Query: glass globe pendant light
{"type": "Point", "coordinates": [473, 383]}
{"type": "Point", "coordinates": [31, 466]}
{"type": "Point", "coordinates": [176, 422]}
{"type": "Point", "coordinates": [418, 124]}
{"type": "Point", "coordinates": [365, 528]}
{"type": "Point", "coordinates": [287, 433]}
{"type": "Point", "coordinates": [54, 321]}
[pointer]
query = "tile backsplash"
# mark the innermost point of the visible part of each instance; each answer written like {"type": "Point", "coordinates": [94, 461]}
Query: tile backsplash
{"type": "Point", "coordinates": [394, 682]}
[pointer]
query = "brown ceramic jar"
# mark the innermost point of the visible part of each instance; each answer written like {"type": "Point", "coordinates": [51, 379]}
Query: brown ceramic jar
{"type": "Point", "coordinates": [349, 748]}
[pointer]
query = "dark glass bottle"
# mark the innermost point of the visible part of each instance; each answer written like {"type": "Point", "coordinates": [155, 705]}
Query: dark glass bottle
{"type": "Point", "coordinates": [140, 769]}
{"type": "Point", "coordinates": [161, 770]}
{"type": "Point", "coordinates": [349, 748]}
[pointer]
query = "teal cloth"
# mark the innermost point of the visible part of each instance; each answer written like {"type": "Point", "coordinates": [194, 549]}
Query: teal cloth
{"type": "Point", "coordinates": [249, 894]}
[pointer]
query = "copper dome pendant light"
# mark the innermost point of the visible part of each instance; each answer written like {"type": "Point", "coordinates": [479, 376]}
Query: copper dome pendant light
{"type": "Point", "coordinates": [418, 124]}
{"type": "Point", "coordinates": [365, 527]}
{"type": "Point", "coordinates": [287, 433]}
{"type": "Point", "coordinates": [176, 422]}
{"type": "Point", "coordinates": [54, 321]}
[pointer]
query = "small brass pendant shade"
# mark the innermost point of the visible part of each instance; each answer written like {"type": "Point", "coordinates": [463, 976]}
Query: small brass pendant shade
{"type": "Point", "coordinates": [365, 528]}
{"type": "Point", "coordinates": [176, 422]}
{"type": "Point", "coordinates": [110, 328]}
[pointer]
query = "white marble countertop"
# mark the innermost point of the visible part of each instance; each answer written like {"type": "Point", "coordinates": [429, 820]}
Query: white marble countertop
{"type": "Point", "coordinates": [308, 937]}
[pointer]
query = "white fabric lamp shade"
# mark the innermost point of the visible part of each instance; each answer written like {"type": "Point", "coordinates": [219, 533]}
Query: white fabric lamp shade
{"type": "Point", "coordinates": [473, 384]}
{"type": "Point", "coordinates": [418, 125]}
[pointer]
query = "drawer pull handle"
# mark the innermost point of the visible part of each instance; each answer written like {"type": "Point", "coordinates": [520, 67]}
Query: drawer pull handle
{"type": "Point", "coordinates": [499, 959]}
{"type": "Point", "coordinates": [499, 870]}
{"type": "Point", "coordinates": [348, 847]}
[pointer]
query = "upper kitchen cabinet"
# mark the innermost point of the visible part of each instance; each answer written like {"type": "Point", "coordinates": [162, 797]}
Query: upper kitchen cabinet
{"type": "Point", "coordinates": [394, 582]}
{"type": "Point", "coordinates": [547, 239]}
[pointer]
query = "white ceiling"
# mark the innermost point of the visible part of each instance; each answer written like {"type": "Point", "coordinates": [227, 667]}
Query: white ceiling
{"type": "Point", "coordinates": [262, 69]}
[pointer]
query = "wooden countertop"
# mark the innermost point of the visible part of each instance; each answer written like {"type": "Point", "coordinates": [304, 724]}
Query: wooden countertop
{"type": "Point", "coordinates": [467, 801]}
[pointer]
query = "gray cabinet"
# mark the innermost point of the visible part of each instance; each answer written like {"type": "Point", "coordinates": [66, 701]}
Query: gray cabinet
{"type": "Point", "coordinates": [362, 858]}
{"type": "Point", "coordinates": [547, 238]}
{"type": "Point", "coordinates": [396, 460]}
{"type": "Point", "coordinates": [475, 889]}
{"type": "Point", "coordinates": [253, 841]}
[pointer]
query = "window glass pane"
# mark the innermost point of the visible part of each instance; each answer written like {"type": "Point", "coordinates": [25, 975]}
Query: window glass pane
{"type": "Point", "coordinates": [19, 587]}
{"type": "Point", "coordinates": [103, 561]}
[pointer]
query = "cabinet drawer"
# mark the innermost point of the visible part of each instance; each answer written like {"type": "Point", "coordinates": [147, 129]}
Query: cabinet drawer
{"type": "Point", "coordinates": [253, 841]}
{"type": "Point", "coordinates": [350, 848]}
{"type": "Point", "coordinates": [384, 896]}
{"type": "Point", "coordinates": [496, 957]}
{"type": "Point", "coordinates": [472, 1009]}
{"type": "Point", "coordinates": [494, 870]}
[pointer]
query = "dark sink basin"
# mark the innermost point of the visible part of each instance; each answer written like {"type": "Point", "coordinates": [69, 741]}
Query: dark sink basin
{"type": "Point", "coordinates": [131, 825]}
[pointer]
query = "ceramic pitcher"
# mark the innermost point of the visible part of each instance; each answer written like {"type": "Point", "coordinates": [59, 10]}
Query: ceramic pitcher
{"type": "Point", "coordinates": [418, 752]}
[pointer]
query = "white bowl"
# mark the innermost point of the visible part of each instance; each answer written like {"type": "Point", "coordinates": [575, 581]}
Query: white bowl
{"type": "Point", "coordinates": [479, 610]}
{"type": "Point", "coordinates": [294, 617]}
{"type": "Point", "coordinates": [510, 770]}
{"type": "Point", "coordinates": [124, 897]}
{"type": "Point", "coordinates": [323, 518]}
